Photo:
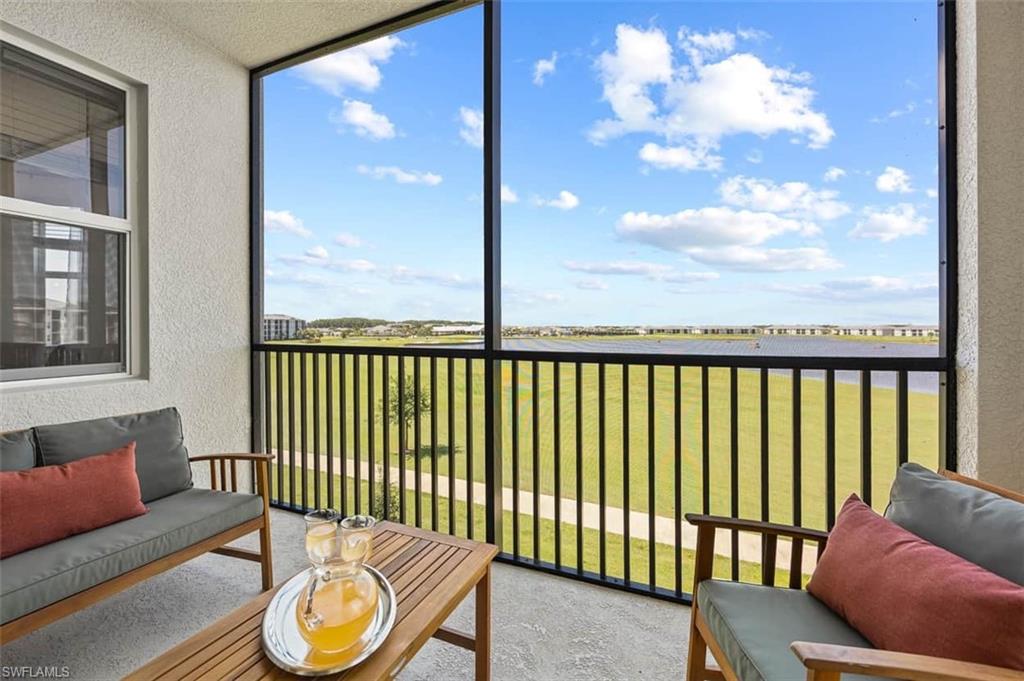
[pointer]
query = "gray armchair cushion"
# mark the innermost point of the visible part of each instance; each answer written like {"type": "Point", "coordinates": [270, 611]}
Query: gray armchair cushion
{"type": "Point", "coordinates": [977, 525]}
{"type": "Point", "coordinates": [39, 577]}
{"type": "Point", "coordinates": [161, 460]}
{"type": "Point", "coordinates": [754, 626]}
{"type": "Point", "coordinates": [17, 450]}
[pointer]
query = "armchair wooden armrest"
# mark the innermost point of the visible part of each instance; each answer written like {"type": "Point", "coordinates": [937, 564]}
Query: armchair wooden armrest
{"type": "Point", "coordinates": [826, 662]}
{"type": "Point", "coordinates": [758, 526]}
{"type": "Point", "coordinates": [230, 457]}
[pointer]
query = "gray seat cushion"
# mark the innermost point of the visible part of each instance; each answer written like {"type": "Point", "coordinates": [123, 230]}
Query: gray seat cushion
{"type": "Point", "coordinates": [17, 450]}
{"type": "Point", "coordinates": [33, 579]}
{"type": "Point", "coordinates": [161, 460]}
{"type": "Point", "coordinates": [754, 625]}
{"type": "Point", "coordinates": [977, 525]}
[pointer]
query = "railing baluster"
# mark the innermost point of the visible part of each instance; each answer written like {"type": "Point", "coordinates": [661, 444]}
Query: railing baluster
{"type": "Point", "coordinates": [626, 553]}
{"type": "Point", "coordinates": [330, 431]}
{"type": "Point", "coordinates": [602, 553]}
{"type": "Point", "coordinates": [316, 431]}
{"type": "Point", "coordinates": [865, 436]}
{"type": "Point", "coordinates": [385, 397]}
{"type": "Point", "coordinates": [402, 443]}
{"type": "Point", "coordinates": [769, 544]}
{"type": "Point", "coordinates": [417, 465]}
{"type": "Point", "coordinates": [268, 422]}
{"type": "Point", "coordinates": [303, 429]}
{"type": "Point", "coordinates": [705, 441]}
{"type": "Point", "coordinates": [434, 505]}
{"type": "Point", "coordinates": [535, 415]}
{"type": "Point", "coordinates": [652, 562]}
{"type": "Point", "coordinates": [357, 444]}
{"type": "Point", "coordinates": [343, 435]}
{"type": "Point", "coordinates": [291, 429]}
{"type": "Point", "coordinates": [556, 407]}
{"type": "Point", "coordinates": [371, 429]}
{"type": "Point", "coordinates": [796, 563]}
{"type": "Point", "coordinates": [579, 468]}
{"type": "Point", "coordinates": [515, 458]}
{"type": "Point", "coordinates": [279, 381]}
{"type": "Point", "coordinates": [734, 466]}
{"type": "Point", "coordinates": [797, 447]}
{"type": "Point", "coordinates": [830, 448]}
{"type": "Point", "coordinates": [451, 446]}
{"type": "Point", "coordinates": [902, 431]}
{"type": "Point", "coordinates": [765, 444]}
{"type": "Point", "coordinates": [677, 473]}
{"type": "Point", "coordinates": [470, 480]}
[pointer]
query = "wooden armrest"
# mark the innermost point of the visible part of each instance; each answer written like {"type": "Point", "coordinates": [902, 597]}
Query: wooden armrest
{"type": "Point", "coordinates": [722, 522]}
{"type": "Point", "coordinates": [824, 657]}
{"type": "Point", "coordinates": [232, 457]}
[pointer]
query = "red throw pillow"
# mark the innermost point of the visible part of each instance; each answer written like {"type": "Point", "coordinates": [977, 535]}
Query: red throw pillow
{"type": "Point", "coordinates": [41, 505]}
{"type": "Point", "coordinates": [907, 595]}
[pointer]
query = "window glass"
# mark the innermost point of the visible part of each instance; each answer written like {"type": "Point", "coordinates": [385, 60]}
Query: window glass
{"type": "Point", "coordinates": [61, 297]}
{"type": "Point", "coordinates": [63, 136]}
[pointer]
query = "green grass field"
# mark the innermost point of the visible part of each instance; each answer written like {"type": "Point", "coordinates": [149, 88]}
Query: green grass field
{"type": "Point", "coordinates": [665, 565]}
{"type": "Point", "coordinates": [452, 444]}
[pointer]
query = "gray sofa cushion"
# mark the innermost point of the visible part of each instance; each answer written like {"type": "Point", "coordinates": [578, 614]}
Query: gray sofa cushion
{"type": "Point", "coordinates": [34, 579]}
{"type": "Point", "coordinates": [161, 460]}
{"type": "Point", "coordinates": [754, 625]}
{"type": "Point", "coordinates": [17, 450]}
{"type": "Point", "coordinates": [979, 526]}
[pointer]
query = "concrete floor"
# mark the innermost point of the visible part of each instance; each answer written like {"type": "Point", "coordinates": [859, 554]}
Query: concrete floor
{"type": "Point", "coordinates": [544, 627]}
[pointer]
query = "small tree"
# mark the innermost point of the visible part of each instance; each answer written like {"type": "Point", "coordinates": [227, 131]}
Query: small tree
{"type": "Point", "coordinates": [394, 498]}
{"type": "Point", "coordinates": [310, 335]}
{"type": "Point", "coordinates": [402, 412]}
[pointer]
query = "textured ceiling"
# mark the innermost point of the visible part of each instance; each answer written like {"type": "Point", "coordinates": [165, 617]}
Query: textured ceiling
{"type": "Point", "coordinates": [254, 32]}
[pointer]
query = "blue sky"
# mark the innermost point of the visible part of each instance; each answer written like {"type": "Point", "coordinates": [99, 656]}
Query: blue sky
{"type": "Point", "coordinates": [663, 163]}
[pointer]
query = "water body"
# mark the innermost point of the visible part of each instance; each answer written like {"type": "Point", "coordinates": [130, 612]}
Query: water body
{"type": "Point", "coordinates": [764, 346]}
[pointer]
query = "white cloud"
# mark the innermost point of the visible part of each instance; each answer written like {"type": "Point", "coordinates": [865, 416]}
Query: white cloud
{"type": "Point", "coordinates": [348, 240]}
{"type": "Point", "coordinates": [894, 179]}
{"type": "Point", "coordinates": [864, 289]}
{"type": "Point", "coordinates": [833, 174]}
{"type": "Point", "coordinates": [751, 259]}
{"type": "Point", "coordinates": [355, 67]}
{"type": "Point", "coordinates": [318, 253]}
{"type": "Point", "coordinates": [508, 195]}
{"type": "Point", "coordinates": [591, 285]}
{"type": "Point", "coordinates": [680, 157]}
{"type": "Point", "coordinates": [361, 117]}
{"type": "Point", "coordinates": [284, 221]}
{"type": "Point", "coordinates": [400, 176]}
{"type": "Point", "coordinates": [543, 68]}
{"type": "Point", "coordinates": [472, 130]}
{"type": "Point", "coordinates": [712, 226]}
{"type": "Point", "coordinates": [706, 100]}
{"type": "Point", "coordinates": [400, 274]}
{"type": "Point", "coordinates": [754, 156]}
{"type": "Point", "coordinates": [650, 270]}
{"type": "Point", "coordinates": [932, 193]}
{"type": "Point", "coordinates": [355, 265]}
{"type": "Point", "coordinates": [792, 199]}
{"type": "Point", "coordinates": [890, 223]}
{"type": "Point", "coordinates": [566, 200]}
{"type": "Point", "coordinates": [905, 110]}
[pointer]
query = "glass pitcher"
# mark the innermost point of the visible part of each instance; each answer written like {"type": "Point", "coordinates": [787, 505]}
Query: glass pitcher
{"type": "Point", "coordinates": [339, 601]}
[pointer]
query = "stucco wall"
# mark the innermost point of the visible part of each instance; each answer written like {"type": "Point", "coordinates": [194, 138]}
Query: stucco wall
{"type": "Point", "coordinates": [990, 368]}
{"type": "Point", "coordinates": [197, 226]}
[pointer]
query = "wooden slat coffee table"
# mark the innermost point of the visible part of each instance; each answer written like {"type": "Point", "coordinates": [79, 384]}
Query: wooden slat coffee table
{"type": "Point", "coordinates": [431, 574]}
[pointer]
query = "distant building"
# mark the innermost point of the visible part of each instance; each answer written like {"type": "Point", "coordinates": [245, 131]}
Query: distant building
{"type": "Point", "coordinates": [458, 330]}
{"type": "Point", "coordinates": [281, 326]}
{"type": "Point", "coordinates": [383, 330]}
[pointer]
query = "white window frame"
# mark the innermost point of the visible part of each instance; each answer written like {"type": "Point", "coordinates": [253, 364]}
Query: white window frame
{"type": "Point", "coordinates": [131, 226]}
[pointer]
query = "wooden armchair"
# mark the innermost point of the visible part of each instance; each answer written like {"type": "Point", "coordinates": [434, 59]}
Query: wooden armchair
{"type": "Point", "coordinates": [821, 662]}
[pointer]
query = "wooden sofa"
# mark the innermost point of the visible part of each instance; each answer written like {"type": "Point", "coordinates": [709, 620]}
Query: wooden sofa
{"type": "Point", "coordinates": [836, 650]}
{"type": "Point", "coordinates": [42, 585]}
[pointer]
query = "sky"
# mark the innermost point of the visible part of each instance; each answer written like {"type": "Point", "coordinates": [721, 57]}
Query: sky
{"type": "Point", "coordinates": [662, 163]}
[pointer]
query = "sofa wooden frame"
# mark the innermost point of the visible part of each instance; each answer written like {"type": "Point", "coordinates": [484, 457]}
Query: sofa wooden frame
{"type": "Point", "coordinates": [227, 480]}
{"type": "Point", "coordinates": [823, 662]}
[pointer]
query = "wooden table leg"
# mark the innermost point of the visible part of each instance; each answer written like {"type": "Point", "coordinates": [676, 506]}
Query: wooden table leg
{"type": "Point", "coordinates": [483, 627]}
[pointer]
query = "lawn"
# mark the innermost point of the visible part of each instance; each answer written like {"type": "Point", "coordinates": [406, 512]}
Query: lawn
{"type": "Point", "coordinates": [451, 439]}
{"type": "Point", "coordinates": [665, 568]}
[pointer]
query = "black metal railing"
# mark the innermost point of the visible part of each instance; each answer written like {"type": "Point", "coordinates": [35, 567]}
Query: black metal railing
{"type": "Point", "coordinates": [598, 456]}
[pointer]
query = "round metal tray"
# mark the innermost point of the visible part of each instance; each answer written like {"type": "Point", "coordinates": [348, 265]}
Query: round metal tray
{"type": "Point", "coordinates": [286, 648]}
